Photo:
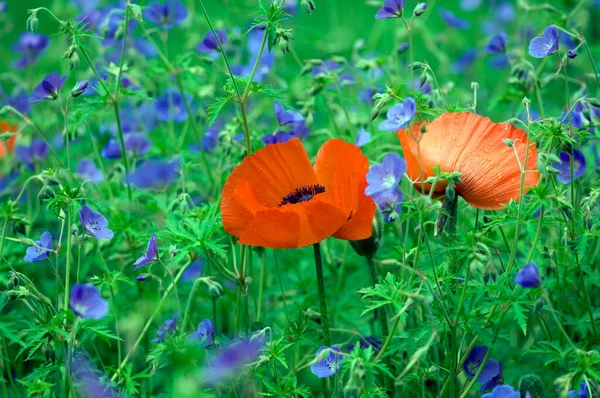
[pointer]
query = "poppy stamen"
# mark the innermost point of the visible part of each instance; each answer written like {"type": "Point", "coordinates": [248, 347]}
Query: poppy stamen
{"type": "Point", "coordinates": [302, 194]}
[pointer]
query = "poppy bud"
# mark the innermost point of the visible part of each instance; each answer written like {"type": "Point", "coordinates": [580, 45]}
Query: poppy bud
{"type": "Point", "coordinates": [420, 9]}
{"type": "Point", "coordinates": [173, 250]}
{"type": "Point", "coordinates": [416, 66]}
{"type": "Point", "coordinates": [509, 143]}
{"type": "Point", "coordinates": [423, 129]}
{"type": "Point", "coordinates": [374, 113]}
{"type": "Point", "coordinates": [214, 288]}
{"type": "Point", "coordinates": [308, 6]}
{"type": "Point", "coordinates": [45, 193]}
{"type": "Point", "coordinates": [422, 79]}
{"type": "Point", "coordinates": [74, 61]}
{"type": "Point", "coordinates": [526, 102]}
{"type": "Point", "coordinates": [450, 193]}
{"type": "Point", "coordinates": [368, 247]}
{"type": "Point", "coordinates": [33, 23]}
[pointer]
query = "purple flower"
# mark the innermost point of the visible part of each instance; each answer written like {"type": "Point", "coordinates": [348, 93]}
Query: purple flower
{"type": "Point", "coordinates": [228, 362]}
{"type": "Point", "coordinates": [464, 61]}
{"type": "Point", "coordinates": [210, 44]}
{"type": "Point", "coordinates": [572, 54]}
{"type": "Point", "coordinates": [389, 203]}
{"type": "Point", "coordinates": [503, 391]}
{"type": "Point", "coordinates": [494, 381]}
{"type": "Point", "coordinates": [528, 276]}
{"type": "Point", "coordinates": [329, 361]}
{"type": "Point", "coordinates": [473, 362]}
{"type": "Point", "coordinates": [390, 9]}
{"type": "Point", "coordinates": [95, 223]}
{"type": "Point", "coordinates": [505, 12]}
{"type": "Point", "coordinates": [277, 138]}
{"type": "Point", "coordinates": [88, 170]}
{"type": "Point", "coordinates": [425, 88]}
{"type": "Point", "coordinates": [564, 166]}
{"type": "Point", "coordinates": [167, 15]}
{"type": "Point", "coordinates": [33, 254]}
{"type": "Point", "coordinates": [541, 47]}
{"type": "Point", "coordinates": [362, 138]}
{"type": "Point", "coordinates": [136, 144]}
{"type": "Point", "coordinates": [385, 176]}
{"type": "Point", "coordinates": [88, 379]}
{"type": "Point", "coordinates": [151, 254]}
{"type": "Point", "coordinates": [420, 9]}
{"type": "Point", "coordinates": [48, 88]}
{"type": "Point", "coordinates": [497, 45]}
{"type": "Point", "coordinates": [155, 174]}
{"type": "Point", "coordinates": [286, 117]}
{"type": "Point", "coordinates": [30, 46]}
{"type": "Point", "coordinates": [169, 326]}
{"type": "Point", "coordinates": [402, 47]}
{"type": "Point", "coordinates": [79, 88]}
{"type": "Point", "coordinates": [145, 47]}
{"type": "Point", "coordinates": [365, 95]}
{"type": "Point", "coordinates": [193, 271]}
{"type": "Point", "coordinates": [469, 5]}
{"type": "Point", "coordinates": [34, 153]}
{"type": "Point", "coordinates": [19, 101]}
{"type": "Point", "coordinates": [584, 391]}
{"type": "Point", "coordinates": [86, 301]}
{"type": "Point", "coordinates": [205, 333]}
{"type": "Point", "coordinates": [400, 115]}
{"type": "Point", "coordinates": [453, 21]}
{"type": "Point", "coordinates": [171, 106]}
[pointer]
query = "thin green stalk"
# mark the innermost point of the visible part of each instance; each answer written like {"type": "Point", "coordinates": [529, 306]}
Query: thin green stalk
{"type": "Point", "coordinates": [380, 312]}
{"type": "Point", "coordinates": [68, 267]}
{"type": "Point", "coordinates": [537, 236]}
{"type": "Point", "coordinates": [7, 366]}
{"type": "Point", "coordinates": [261, 283]}
{"type": "Point", "coordinates": [343, 105]}
{"type": "Point", "coordinates": [281, 287]}
{"type": "Point", "coordinates": [587, 49]}
{"type": "Point", "coordinates": [4, 230]}
{"type": "Point", "coordinates": [123, 150]}
{"type": "Point", "coordinates": [188, 306]}
{"type": "Point", "coordinates": [117, 328]}
{"type": "Point", "coordinates": [321, 289]}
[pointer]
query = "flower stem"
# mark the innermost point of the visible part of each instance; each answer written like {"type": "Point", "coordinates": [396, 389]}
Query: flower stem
{"type": "Point", "coordinates": [68, 267]}
{"type": "Point", "coordinates": [188, 306]}
{"type": "Point", "coordinates": [321, 288]}
{"type": "Point", "coordinates": [117, 328]}
{"type": "Point", "coordinates": [380, 312]}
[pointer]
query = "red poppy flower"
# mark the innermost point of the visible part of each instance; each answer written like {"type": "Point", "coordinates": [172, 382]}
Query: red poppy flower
{"type": "Point", "coordinates": [474, 146]}
{"type": "Point", "coordinates": [8, 145]}
{"type": "Point", "coordinates": [276, 199]}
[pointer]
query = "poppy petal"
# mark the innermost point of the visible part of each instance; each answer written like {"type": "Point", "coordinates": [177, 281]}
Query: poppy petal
{"type": "Point", "coordinates": [342, 168]}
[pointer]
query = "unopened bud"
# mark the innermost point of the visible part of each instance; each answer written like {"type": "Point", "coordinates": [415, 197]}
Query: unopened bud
{"type": "Point", "coordinates": [420, 9]}
{"type": "Point", "coordinates": [509, 143]}
{"type": "Point", "coordinates": [308, 6]}
{"type": "Point", "coordinates": [214, 288]}
{"type": "Point", "coordinates": [79, 88]}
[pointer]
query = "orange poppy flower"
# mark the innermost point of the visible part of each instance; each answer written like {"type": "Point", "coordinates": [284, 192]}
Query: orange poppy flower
{"type": "Point", "coordinates": [8, 145]}
{"type": "Point", "coordinates": [474, 146]}
{"type": "Point", "coordinates": [276, 199]}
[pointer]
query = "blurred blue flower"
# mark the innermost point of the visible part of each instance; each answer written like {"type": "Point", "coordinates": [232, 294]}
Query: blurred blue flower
{"type": "Point", "coordinates": [402, 47]}
{"type": "Point", "coordinates": [88, 380]}
{"type": "Point", "coordinates": [365, 95]}
{"type": "Point", "coordinates": [366, 342]}
{"type": "Point", "coordinates": [193, 271]}
{"type": "Point", "coordinates": [325, 68]}
{"type": "Point", "coordinates": [564, 166]}
{"type": "Point", "coordinates": [205, 333]}
{"type": "Point", "coordinates": [504, 391]}
{"type": "Point", "coordinates": [528, 276]}
{"type": "Point", "coordinates": [505, 12]}
{"type": "Point", "coordinates": [389, 203]}
{"type": "Point", "coordinates": [572, 54]}
{"type": "Point", "coordinates": [3, 6]}
{"type": "Point", "coordinates": [48, 88]}
{"type": "Point", "coordinates": [386, 175]}
{"type": "Point", "coordinates": [34, 153]}
{"type": "Point", "coordinates": [541, 47]}
{"type": "Point", "coordinates": [390, 9]}
{"type": "Point", "coordinates": [400, 115]}
{"type": "Point", "coordinates": [209, 44]}
{"type": "Point", "coordinates": [464, 61]}
{"type": "Point", "coordinates": [291, 7]}
{"type": "Point", "coordinates": [494, 381]}
{"type": "Point", "coordinates": [278, 138]}
{"type": "Point", "coordinates": [86, 301]}
{"type": "Point", "coordinates": [150, 255]}
{"type": "Point", "coordinates": [497, 44]}
{"type": "Point", "coordinates": [167, 15]}
{"type": "Point", "coordinates": [30, 46]}
{"type": "Point", "coordinates": [566, 39]}
{"type": "Point", "coordinates": [576, 117]}
{"type": "Point", "coordinates": [362, 138]}
{"type": "Point", "coordinates": [37, 253]}
{"type": "Point", "coordinates": [286, 117]}
{"type": "Point", "coordinates": [329, 361]}
{"type": "Point", "coordinates": [171, 106]}
{"type": "Point", "coordinates": [473, 362]}
{"type": "Point", "coordinates": [228, 362]}
{"type": "Point", "coordinates": [453, 21]}
{"type": "Point", "coordinates": [424, 88]}
{"type": "Point", "coordinates": [168, 327]}
{"type": "Point", "coordinates": [88, 170]}
{"type": "Point", "coordinates": [144, 47]}
{"type": "Point", "coordinates": [584, 391]}
{"type": "Point", "coordinates": [136, 144]}
{"type": "Point", "coordinates": [469, 5]}
{"type": "Point", "coordinates": [155, 174]}
{"type": "Point", "coordinates": [500, 61]}
{"type": "Point", "coordinates": [94, 223]}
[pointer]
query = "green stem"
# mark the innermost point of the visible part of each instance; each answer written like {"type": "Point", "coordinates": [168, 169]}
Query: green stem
{"type": "Point", "coordinates": [7, 366]}
{"type": "Point", "coordinates": [123, 150]}
{"type": "Point", "coordinates": [379, 313]}
{"type": "Point", "coordinates": [587, 49]}
{"type": "Point", "coordinates": [188, 306]}
{"type": "Point", "coordinates": [537, 236]}
{"type": "Point", "coordinates": [4, 230]}
{"type": "Point", "coordinates": [68, 267]}
{"type": "Point", "coordinates": [321, 288]}
{"type": "Point", "coordinates": [117, 328]}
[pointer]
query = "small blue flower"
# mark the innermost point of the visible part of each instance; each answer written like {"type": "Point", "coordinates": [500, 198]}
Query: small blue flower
{"type": "Point", "coordinates": [167, 15]}
{"type": "Point", "coordinates": [504, 391]}
{"type": "Point", "coordinates": [469, 5]}
{"type": "Point", "coordinates": [94, 223]}
{"type": "Point", "coordinates": [572, 54]}
{"type": "Point", "coordinates": [227, 363]}
{"type": "Point", "coordinates": [19, 101]}
{"type": "Point", "coordinates": [155, 174]}
{"type": "Point", "coordinates": [328, 66]}
{"type": "Point", "coordinates": [205, 333]}
{"type": "Point", "coordinates": [497, 45]}
{"type": "Point", "coordinates": [150, 255]}
{"type": "Point", "coordinates": [464, 61]}
{"type": "Point", "coordinates": [473, 362]}
{"type": "Point", "coordinates": [86, 301]}
{"type": "Point", "coordinates": [385, 176]}
{"type": "Point", "coordinates": [494, 381]}
{"type": "Point", "coordinates": [286, 117]}
{"type": "Point", "coordinates": [48, 88]}
{"type": "Point", "coordinates": [34, 254]}
{"type": "Point", "coordinates": [168, 327]}
{"type": "Point", "coordinates": [193, 271]}
{"type": "Point", "coordinates": [400, 115]}
{"type": "Point", "coordinates": [545, 45]}
{"type": "Point", "coordinates": [136, 144]}
{"type": "Point", "coordinates": [389, 203]}
{"type": "Point", "coordinates": [209, 44]}
{"type": "Point", "coordinates": [528, 276]}
{"type": "Point", "coordinates": [88, 170]}
{"type": "Point", "coordinates": [362, 138]}
{"type": "Point", "coordinates": [365, 95]}
{"type": "Point", "coordinates": [30, 46]}
{"type": "Point", "coordinates": [329, 361]}
{"type": "Point", "coordinates": [171, 106]}
{"type": "Point", "coordinates": [277, 138]}
{"type": "Point", "coordinates": [564, 166]}
{"type": "Point", "coordinates": [453, 21]}
{"type": "Point", "coordinates": [366, 342]}
{"type": "Point", "coordinates": [505, 13]}
{"type": "Point", "coordinates": [34, 153]}
{"type": "Point", "coordinates": [390, 9]}
{"type": "Point", "coordinates": [584, 391]}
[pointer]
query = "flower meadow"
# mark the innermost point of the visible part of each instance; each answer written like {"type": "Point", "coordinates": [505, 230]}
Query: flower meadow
{"type": "Point", "coordinates": [312, 198]}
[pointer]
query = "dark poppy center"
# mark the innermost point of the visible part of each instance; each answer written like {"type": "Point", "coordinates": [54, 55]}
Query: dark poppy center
{"type": "Point", "coordinates": [302, 194]}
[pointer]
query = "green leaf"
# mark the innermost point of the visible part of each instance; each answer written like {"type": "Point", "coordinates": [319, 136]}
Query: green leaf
{"type": "Point", "coordinates": [520, 316]}
{"type": "Point", "coordinates": [215, 108]}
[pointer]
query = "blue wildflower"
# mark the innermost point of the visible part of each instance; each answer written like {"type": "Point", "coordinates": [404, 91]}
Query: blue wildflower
{"type": "Point", "coordinates": [564, 166]}
{"type": "Point", "coordinates": [453, 21]}
{"type": "Point", "coordinates": [48, 88]}
{"type": "Point", "coordinates": [400, 115]}
{"type": "Point", "coordinates": [205, 333]}
{"type": "Point", "coordinates": [464, 61]}
{"type": "Point", "coordinates": [171, 106]}
{"type": "Point", "coordinates": [94, 223]}
{"type": "Point", "coordinates": [136, 144]}
{"type": "Point", "coordinates": [167, 15]}
{"type": "Point", "coordinates": [584, 391]}
{"type": "Point", "coordinates": [504, 391]}
{"type": "Point", "coordinates": [329, 361]}
{"type": "Point", "coordinates": [497, 45]}
{"type": "Point", "coordinates": [150, 255]}
{"type": "Point", "coordinates": [528, 276]}
{"type": "Point", "coordinates": [30, 46]}
{"type": "Point", "coordinates": [34, 153]}
{"type": "Point", "coordinates": [390, 9]}
{"type": "Point", "coordinates": [210, 44]}
{"type": "Point", "coordinates": [193, 271]}
{"type": "Point", "coordinates": [168, 327]}
{"type": "Point", "coordinates": [362, 138]}
{"type": "Point", "coordinates": [474, 361]}
{"type": "Point", "coordinates": [546, 45]}
{"type": "Point", "coordinates": [155, 174]}
{"type": "Point", "coordinates": [88, 170]}
{"type": "Point", "coordinates": [86, 301]}
{"type": "Point", "coordinates": [386, 175]}
{"type": "Point", "coordinates": [389, 203]}
{"type": "Point", "coordinates": [42, 249]}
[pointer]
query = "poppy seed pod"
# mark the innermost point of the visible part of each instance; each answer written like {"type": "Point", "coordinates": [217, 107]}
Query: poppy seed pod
{"type": "Point", "coordinates": [368, 247]}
